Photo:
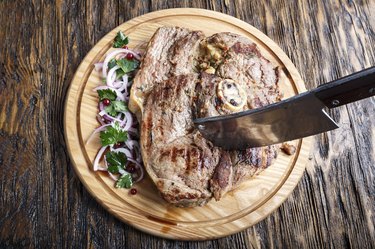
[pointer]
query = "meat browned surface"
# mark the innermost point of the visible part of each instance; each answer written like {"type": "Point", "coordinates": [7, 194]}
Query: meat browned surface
{"type": "Point", "coordinates": [199, 77]}
{"type": "Point", "coordinates": [169, 52]}
{"type": "Point", "coordinates": [177, 158]}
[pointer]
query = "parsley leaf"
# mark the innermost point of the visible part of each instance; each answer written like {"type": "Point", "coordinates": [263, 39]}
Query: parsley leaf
{"type": "Point", "coordinates": [119, 106]}
{"type": "Point", "coordinates": [116, 161]}
{"type": "Point", "coordinates": [115, 107]}
{"type": "Point", "coordinates": [127, 65]}
{"type": "Point", "coordinates": [119, 73]}
{"type": "Point", "coordinates": [110, 110]}
{"type": "Point", "coordinates": [125, 181]}
{"type": "Point", "coordinates": [113, 135]}
{"type": "Point", "coordinates": [111, 64]}
{"type": "Point", "coordinates": [107, 94]}
{"type": "Point", "coordinates": [120, 40]}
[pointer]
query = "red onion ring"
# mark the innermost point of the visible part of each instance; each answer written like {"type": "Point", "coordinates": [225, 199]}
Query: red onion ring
{"type": "Point", "coordinates": [113, 54]}
{"type": "Point", "coordinates": [98, 157]}
{"type": "Point", "coordinates": [127, 121]}
{"type": "Point", "coordinates": [98, 66]}
{"type": "Point", "coordinates": [140, 168]}
{"type": "Point", "coordinates": [125, 151]}
{"type": "Point", "coordinates": [101, 128]}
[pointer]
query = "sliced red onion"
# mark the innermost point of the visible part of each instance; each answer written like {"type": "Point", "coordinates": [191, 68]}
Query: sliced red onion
{"type": "Point", "coordinates": [115, 178]}
{"type": "Point", "coordinates": [109, 118]}
{"type": "Point", "coordinates": [101, 128]}
{"type": "Point", "coordinates": [131, 144]}
{"type": "Point", "coordinates": [138, 52]}
{"type": "Point", "coordinates": [98, 66]}
{"type": "Point", "coordinates": [121, 86]}
{"type": "Point", "coordinates": [111, 77]}
{"type": "Point", "coordinates": [128, 120]}
{"type": "Point", "coordinates": [100, 119]}
{"type": "Point", "coordinates": [109, 57]}
{"type": "Point", "coordinates": [102, 113]}
{"type": "Point", "coordinates": [101, 106]}
{"type": "Point", "coordinates": [112, 54]}
{"type": "Point", "coordinates": [98, 157]}
{"type": "Point", "coordinates": [133, 131]}
{"type": "Point", "coordinates": [125, 151]}
{"type": "Point", "coordinates": [138, 155]}
{"type": "Point", "coordinates": [125, 79]}
{"type": "Point", "coordinates": [140, 169]}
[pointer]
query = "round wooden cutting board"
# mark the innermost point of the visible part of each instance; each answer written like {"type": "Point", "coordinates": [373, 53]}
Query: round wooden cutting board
{"type": "Point", "coordinates": [254, 200]}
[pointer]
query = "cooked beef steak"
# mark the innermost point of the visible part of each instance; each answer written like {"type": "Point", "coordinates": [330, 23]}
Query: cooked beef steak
{"type": "Point", "coordinates": [198, 77]}
{"type": "Point", "coordinates": [169, 52]}
{"type": "Point", "coordinates": [177, 158]}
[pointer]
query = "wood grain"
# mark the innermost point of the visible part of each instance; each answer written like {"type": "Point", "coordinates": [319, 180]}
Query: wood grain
{"type": "Point", "coordinates": [44, 205]}
{"type": "Point", "coordinates": [251, 202]}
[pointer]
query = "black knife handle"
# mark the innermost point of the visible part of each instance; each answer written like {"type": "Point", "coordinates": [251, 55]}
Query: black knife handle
{"type": "Point", "coordinates": [348, 89]}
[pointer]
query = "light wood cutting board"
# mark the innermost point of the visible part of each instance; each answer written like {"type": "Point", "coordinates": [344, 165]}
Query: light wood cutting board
{"type": "Point", "coordinates": [254, 200]}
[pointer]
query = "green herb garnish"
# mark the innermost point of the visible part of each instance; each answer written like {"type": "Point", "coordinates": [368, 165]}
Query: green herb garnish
{"type": "Point", "coordinates": [107, 94]}
{"type": "Point", "coordinates": [120, 40]}
{"type": "Point", "coordinates": [115, 107]}
{"type": "Point", "coordinates": [125, 181]}
{"type": "Point", "coordinates": [113, 135]}
{"type": "Point", "coordinates": [116, 161]}
{"type": "Point", "coordinates": [127, 65]}
{"type": "Point", "coordinates": [111, 63]}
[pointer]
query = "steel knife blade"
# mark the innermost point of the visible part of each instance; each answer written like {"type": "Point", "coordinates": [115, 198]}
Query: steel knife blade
{"type": "Point", "coordinates": [297, 117]}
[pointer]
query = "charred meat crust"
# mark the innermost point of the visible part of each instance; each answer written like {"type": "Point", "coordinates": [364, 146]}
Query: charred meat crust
{"type": "Point", "coordinates": [169, 52]}
{"type": "Point", "coordinates": [178, 81]}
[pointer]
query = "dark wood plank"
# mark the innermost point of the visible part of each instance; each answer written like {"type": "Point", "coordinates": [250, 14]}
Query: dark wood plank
{"type": "Point", "coordinates": [42, 202]}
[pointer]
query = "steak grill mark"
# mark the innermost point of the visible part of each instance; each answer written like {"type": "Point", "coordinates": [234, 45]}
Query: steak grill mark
{"type": "Point", "coordinates": [187, 169]}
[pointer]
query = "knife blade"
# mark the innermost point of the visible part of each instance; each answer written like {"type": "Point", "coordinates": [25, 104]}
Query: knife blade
{"type": "Point", "coordinates": [297, 117]}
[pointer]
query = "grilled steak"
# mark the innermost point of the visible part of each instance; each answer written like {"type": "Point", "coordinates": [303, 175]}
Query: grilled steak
{"type": "Point", "coordinates": [198, 77]}
{"type": "Point", "coordinates": [169, 52]}
{"type": "Point", "coordinates": [176, 157]}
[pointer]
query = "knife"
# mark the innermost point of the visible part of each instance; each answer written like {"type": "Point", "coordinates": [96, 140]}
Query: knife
{"type": "Point", "coordinates": [300, 116]}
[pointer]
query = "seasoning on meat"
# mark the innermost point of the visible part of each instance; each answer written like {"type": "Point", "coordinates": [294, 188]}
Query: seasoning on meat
{"type": "Point", "coordinates": [289, 149]}
{"type": "Point", "coordinates": [185, 75]}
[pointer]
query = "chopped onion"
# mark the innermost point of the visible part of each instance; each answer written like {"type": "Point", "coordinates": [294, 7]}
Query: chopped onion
{"type": "Point", "coordinates": [101, 128]}
{"type": "Point", "coordinates": [115, 178]}
{"type": "Point", "coordinates": [98, 66]}
{"type": "Point", "coordinates": [111, 77]}
{"type": "Point", "coordinates": [114, 53]}
{"type": "Point", "coordinates": [127, 121]}
{"type": "Point", "coordinates": [131, 144]}
{"type": "Point", "coordinates": [100, 119]}
{"type": "Point", "coordinates": [98, 157]}
{"type": "Point", "coordinates": [125, 151]}
{"type": "Point", "coordinates": [140, 169]}
{"type": "Point", "coordinates": [133, 131]}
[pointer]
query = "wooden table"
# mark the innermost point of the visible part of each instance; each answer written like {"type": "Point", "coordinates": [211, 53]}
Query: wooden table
{"type": "Point", "coordinates": [44, 205]}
